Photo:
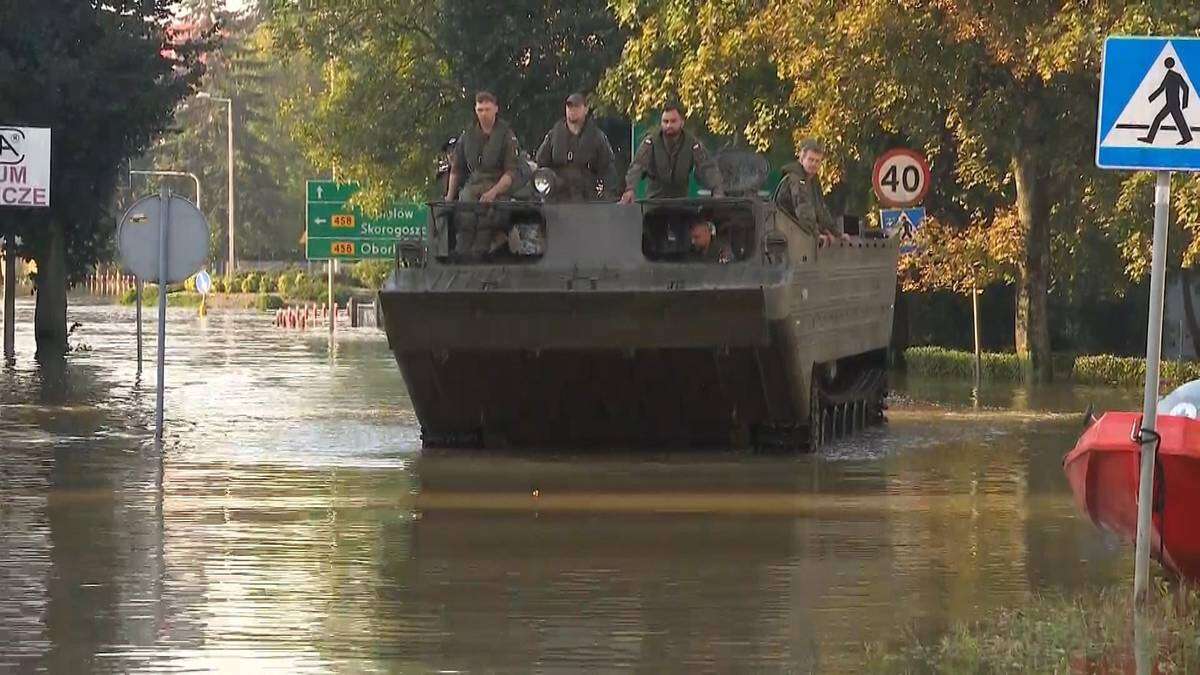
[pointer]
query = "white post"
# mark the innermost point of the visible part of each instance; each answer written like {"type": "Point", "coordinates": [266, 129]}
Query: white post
{"type": "Point", "coordinates": [332, 309]}
{"type": "Point", "coordinates": [164, 211]}
{"type": "Point", "coordinates": [975, 320]}
{"type": "Point", "coordinates": [1141, 569]}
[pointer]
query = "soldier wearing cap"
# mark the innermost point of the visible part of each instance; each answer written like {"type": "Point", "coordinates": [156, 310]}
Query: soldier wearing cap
{"type": "Point", "coordinates": [579, 153]}
{"type": "Point", "coordinates": [486, 154]}
{"type": "Point", "coordinates": [667, 156]}
{"type": "Point", "coordinates": [800, 194]}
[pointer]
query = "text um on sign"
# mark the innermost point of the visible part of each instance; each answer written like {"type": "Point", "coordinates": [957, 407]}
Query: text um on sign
{"type": "Point", "coordinates": [24, 166]}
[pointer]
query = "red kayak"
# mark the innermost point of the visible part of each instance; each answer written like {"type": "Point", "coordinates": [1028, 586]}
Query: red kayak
{"type": "Point", "coordinates": [1103, 472]}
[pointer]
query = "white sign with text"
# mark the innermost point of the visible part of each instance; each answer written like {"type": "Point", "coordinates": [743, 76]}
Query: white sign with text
{"type": "Point", "coordinates": [24, 166]}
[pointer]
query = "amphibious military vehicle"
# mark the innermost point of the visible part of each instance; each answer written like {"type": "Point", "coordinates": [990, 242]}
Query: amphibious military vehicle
{"type": "Point", "coordinates": [591, 324]}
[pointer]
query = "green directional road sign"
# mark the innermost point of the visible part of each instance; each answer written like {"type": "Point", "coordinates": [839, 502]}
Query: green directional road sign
{"type": "Point", "coordinates": [335, 229]}
{"type": "Point", "coordinates": [349, 248]}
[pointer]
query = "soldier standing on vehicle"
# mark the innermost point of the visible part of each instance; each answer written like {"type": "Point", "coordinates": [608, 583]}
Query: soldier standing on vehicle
{"type": "Point", "coordinates": [579, 153]}
{"type": "Point", "coordinates": [486, 154]}
{"type": "Point", "coordinates": [667, 156]}
{"type": "Point", "coordinates": [800, 195]}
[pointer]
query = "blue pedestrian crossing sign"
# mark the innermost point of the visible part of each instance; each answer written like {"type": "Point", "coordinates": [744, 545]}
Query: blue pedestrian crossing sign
{"type": "Point", "coordinates": [1149, 106]}
{"type": "Point", "coordinates": [902, 223]}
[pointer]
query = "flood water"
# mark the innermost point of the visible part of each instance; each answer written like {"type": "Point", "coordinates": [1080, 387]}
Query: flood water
{"type": "Point", "coordinates": [292, 522]}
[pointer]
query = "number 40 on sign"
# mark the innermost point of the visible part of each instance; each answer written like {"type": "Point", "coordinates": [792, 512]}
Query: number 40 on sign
{"type": "Point", "coordinates": [901, 177]}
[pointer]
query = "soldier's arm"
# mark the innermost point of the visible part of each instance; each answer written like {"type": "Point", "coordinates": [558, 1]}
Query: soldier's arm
{"type": "Point", "coordinates": [803, 209]}
{"type": "Point", "coordinates": [545, 151]}
{"type": "Point", "coordinates": [637, 169]}
{"type": "Point", "coordinates": [824, 219]}
{"type": "Point", "coordinates": [511, 157]}
{"type": "Point", "coordinates": [458, 162]}
{"type": "Point", "coordinates": [707, 170]}
{"type": "Point", "coordinates": [606, 166]}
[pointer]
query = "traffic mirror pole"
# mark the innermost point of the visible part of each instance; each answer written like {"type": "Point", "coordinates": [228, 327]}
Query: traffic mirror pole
{"type": "Point", "coordinates": [138, 284]}
{"type": "Point", "coordinates": [164, 225]}
{"type": "Point", "coordinates": [1141, 569]}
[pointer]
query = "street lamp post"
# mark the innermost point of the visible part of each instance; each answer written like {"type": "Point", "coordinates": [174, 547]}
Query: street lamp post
{"type": "Point", "coordinates": [194, 177]}
{"type": "Point", "coordinates": [229, 156]}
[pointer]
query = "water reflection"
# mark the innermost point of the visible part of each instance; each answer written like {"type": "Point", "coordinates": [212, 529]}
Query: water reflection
{"type": "Point", "coordinates": [296, 527]}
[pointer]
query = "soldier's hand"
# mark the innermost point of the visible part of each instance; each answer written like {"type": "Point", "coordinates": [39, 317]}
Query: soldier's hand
{"type": "Point", "coordinates": [627, 198]}
{"type": "Point", "coordinates": [488, 196]}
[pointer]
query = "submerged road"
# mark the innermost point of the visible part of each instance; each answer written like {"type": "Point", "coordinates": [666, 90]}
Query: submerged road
{"type": "Point", "coordinates": [292, 523]}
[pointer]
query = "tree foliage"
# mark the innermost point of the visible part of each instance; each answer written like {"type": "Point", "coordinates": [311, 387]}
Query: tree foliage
{"type": "Point", "coordinates": [105, 76]}
{"type": "Point", "coordinates": [270, 169]}
{"type": "Point", "coordinates": [999, 95]}
{"type": "Point", "coordinates": [398, 76]}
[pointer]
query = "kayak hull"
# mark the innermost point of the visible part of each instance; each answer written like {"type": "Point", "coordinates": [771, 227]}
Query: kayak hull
{"type": "Point", "coordinates": [1103, 471]}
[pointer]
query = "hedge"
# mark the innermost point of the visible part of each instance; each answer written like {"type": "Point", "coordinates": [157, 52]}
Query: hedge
{"type": "Point", "coordinates": [1088, 369]}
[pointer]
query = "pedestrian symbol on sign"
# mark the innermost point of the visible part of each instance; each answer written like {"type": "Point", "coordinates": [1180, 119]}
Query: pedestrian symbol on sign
{"type": "Point", "coordinates": [1163, 102]}
{"type": "Point", "coordinates": [1175, 95]}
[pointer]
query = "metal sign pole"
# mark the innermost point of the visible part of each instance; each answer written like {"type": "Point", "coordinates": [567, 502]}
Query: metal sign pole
{"type": "Point", "coordinates": [332, 308]}
{"type": "Point", "coordinates": [10, 296]}
{"type": "Point", "coordinates": [138, 305]}
{"type": "Point", "coordinates": [164, 225]}
{"type": "Point", "coordinates": [1141, 570]}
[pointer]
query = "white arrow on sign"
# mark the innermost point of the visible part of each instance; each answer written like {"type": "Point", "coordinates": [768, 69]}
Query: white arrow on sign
{"type": "Point", "coordinates": [320, 192]}
{"type": "Point", "coordinates": [320, 221]}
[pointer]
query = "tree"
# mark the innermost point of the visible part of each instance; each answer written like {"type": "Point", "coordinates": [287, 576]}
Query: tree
{"type": "Point", "coordinates": [105, 77]}
{"type": "Point", "coordinates": [1001, 95]}
{"type": "Point", "coordinates": [270, 168]}
{"type": "Point", "coordinates": [399, 76]}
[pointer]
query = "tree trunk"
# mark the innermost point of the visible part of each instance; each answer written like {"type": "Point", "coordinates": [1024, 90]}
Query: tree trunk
{"type": "Point", "coordinates": [1033, 288]}
{"type": "Point", "coordinates": [50, 313]}
{"type": "Point", "coordinates": [1189, 308]}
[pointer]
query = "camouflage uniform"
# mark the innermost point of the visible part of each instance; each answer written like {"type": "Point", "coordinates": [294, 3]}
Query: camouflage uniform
{"type": "Point", "coordinates": [716, 247]}
{"type": "Point", "coordinates": [668, 162]}
{"type": "Point", "coordinates": [800, 196]}
{"type": "Point", "coordinates": [579, 161]}
{"type": "Point", "coordinates": [487, 157]}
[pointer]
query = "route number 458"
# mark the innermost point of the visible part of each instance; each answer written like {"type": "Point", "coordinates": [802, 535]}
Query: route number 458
{"type": "Point", "coordinates": [342, 248]}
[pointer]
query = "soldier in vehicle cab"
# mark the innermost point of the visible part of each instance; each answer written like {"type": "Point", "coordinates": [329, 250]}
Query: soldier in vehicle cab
{"type": "Point", "coordinates": [706, 245]}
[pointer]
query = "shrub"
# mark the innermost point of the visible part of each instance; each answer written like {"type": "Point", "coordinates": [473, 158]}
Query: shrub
{"type": "Point", "coordinates": [218, 284]}
{"type": "Point", "coordinates": [285, 284]}
{"type": "Point", "coordinates": [268, 302]}
{"type": "Point", "coordinates": [266, 284]}
{"type": "Point", "coordinates": [941, 362]}
{"type": "Point", "coordinates": [372, 273]}
{"type": "Point", "coordinates": [189, 284]}
{"type": "Point", "coordinates": [249, 284]}
{"type": "Point", "coordinates": [1103, 369]}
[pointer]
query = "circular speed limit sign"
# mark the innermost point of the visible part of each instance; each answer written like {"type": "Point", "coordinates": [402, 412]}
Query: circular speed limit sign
{"type": "Point", "coordinates": [901, 177]}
